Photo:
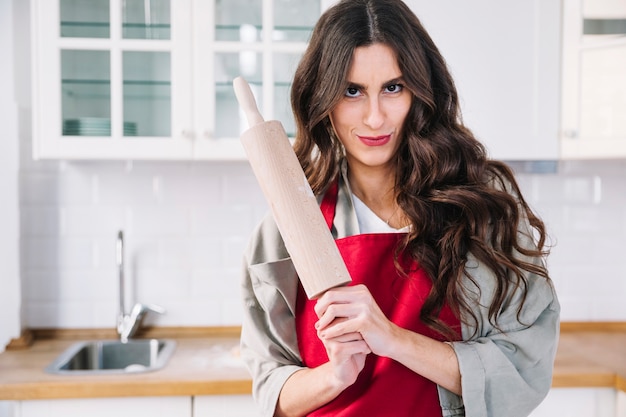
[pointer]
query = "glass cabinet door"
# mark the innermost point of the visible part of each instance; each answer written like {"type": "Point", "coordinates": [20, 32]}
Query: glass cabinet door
{"type": "Point", "coordinates": [285, 65]}
{"type": "Point", "coordinates": [152, 79]}
{"type": "Point", "coordinates": [85, 19]}
{"type": "Point", "coordinates": [86, 74]}
{"type": "Point", "coordinates": [86, 92]}
{"type": "Point", "coordinates": [146, 19]}
{"type": "Point", "coordinates": [294, 19]}
{"type": "Point", "coordinates": [147, 93]}
{"type": "Point", "coordinates": [119, 71]}
{"type": "Point", "coordinates": [260, 40]}
{"type": "Point", "coordinates": [238, 20]}
{"type": "Point", "coordinates": [229, 122]}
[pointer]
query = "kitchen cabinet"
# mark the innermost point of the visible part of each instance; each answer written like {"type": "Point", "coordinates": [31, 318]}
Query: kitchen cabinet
{"type": "Point", "coordinates": [200, 406]}
{"type": "Point", "coordinates": [131, 79]}
{"type": "Point", "coordinates": [594, 79]}
{"type": "Point", "coordinates": [224, 406]}
{"type": "Point", "coordinates": [572, 402]}
{"type": "Point", "coordinates": [579, 402]}
{"type": "Point", "coordinates": [505, 60]}
{"type": "Point", "coordinates": [105, 407]}
{"type": "Point", "coordinates": [152, 80]}
{"type": "Point", "coordinates": [11, 295]}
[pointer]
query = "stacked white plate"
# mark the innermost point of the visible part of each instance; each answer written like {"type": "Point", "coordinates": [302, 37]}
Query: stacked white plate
{"type": "Point", "coordinates": [94, 126]}
{"type": "Point", "coordinates": [130, 129]}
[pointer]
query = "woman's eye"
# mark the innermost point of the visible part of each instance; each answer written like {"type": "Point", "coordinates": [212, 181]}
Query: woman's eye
{"type": "Point", "coordinates": [352, 92]}
{"type": "Point", "coordinates": [393, 88]}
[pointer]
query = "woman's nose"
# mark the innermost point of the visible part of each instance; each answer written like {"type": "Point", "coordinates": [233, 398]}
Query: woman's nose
{"type": "Point", "coordinates": [374, 116]}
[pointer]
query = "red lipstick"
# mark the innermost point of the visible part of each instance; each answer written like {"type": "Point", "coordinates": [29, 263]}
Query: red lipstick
{"type": "Point", "coordinates": [375, 140]}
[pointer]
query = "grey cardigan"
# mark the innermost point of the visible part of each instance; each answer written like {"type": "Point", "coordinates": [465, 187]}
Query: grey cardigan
{"type": "Point", "coordinates": [503, 373]}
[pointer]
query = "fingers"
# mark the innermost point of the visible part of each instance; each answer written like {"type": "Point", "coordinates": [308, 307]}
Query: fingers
{"type": "Point", "coordinates": [340, 295]}
{"type": "Point", "coordinates": [344, 338]}
{"type": "Point", "coordinates": [347, 354]}
{"type": "Point", "coordinates": [336, 349]}
{"type": "Point", "coordinates": [337, 313]}
{"type": "Point", "coordinates": [346, 351]}
{"type": "Point", "coordinates": [344, 310]}
{"type": "Point", "coordinates": [344, 343]}
{"type": "Point", "coordinates": [348, 311]}
{"type": "Point", "coordinates": [346, 369]}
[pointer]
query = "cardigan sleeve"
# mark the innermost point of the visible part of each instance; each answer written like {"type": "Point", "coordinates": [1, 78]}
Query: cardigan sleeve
{"type": "Point", "coordinates": [268, 341]}
{"type": "Point", "coordinates": [510, 372]}
{"type": "Point", "coordinates": [506, 370]}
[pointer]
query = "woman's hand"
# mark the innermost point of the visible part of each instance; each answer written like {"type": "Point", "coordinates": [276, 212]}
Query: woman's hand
{"type": "Point", "coordinates": [310, 388]}
{"type": "Point", "coordinates": [346, 312]}
{"type": "Point", "coordinates": [351, 313]}
{"type": "Point", "coordinates": [346, 353]}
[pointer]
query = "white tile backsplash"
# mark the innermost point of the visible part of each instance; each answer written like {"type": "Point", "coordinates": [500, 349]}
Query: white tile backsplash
{"type": "Point", "coordinates": [186, 225]}
{"type": "Point", "coordinates": [160, 221]}
{"type": "Point", "coordinates": [91, 220]}
{"type": "Point", "coordinates": [584, 207]}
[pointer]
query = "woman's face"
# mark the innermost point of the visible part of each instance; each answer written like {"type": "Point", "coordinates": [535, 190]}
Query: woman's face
{"type": "Point", "coordinates": [369, 118]}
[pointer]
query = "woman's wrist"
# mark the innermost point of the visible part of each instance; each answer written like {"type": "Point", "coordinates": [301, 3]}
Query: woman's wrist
{"type": "Point", "coordinates": [333, 384]}
{"type": "Point", "coordinates": [307, 390]}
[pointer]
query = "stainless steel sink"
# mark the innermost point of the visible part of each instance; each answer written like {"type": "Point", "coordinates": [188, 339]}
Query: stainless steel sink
{"type": "Point", "coordinates": [113, 356]}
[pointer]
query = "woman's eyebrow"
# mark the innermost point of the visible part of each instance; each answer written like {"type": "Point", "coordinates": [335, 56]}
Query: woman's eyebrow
{"type": "Point", "coordinates": [356, 85]}
{"type": "Point", "coordinates": [397, 80]}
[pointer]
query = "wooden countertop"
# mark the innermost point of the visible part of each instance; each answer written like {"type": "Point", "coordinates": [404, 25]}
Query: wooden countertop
{"type": "Point", "coordinates": [209, 365]}
{"type": "Point", "coordinates": [199, 366]}
{"type": "Point", "coordinates": [591, 359]}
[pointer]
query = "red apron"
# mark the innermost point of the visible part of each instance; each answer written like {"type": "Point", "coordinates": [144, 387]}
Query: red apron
{"type": "Point", "coordinates": [384, 387]}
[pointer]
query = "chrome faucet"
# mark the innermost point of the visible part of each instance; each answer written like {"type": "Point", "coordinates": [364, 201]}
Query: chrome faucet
{"type": "Point", "coordinates": [128, 324]}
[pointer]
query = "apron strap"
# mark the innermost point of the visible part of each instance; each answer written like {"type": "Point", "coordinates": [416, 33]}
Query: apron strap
{"type": "Point", "coordinates": [329, 203]}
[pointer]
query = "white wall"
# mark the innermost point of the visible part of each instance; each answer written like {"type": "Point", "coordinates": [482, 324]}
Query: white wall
{"type": "Point", "coordinates": [186, 225]}
{"type": "Point", "coordinates": [9, 214]}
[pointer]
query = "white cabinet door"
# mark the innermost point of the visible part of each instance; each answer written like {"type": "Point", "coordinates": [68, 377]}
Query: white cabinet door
{"type": "Point", "coordinates": [111, 79]}
{"type": "Point", "coordinates": [106, 407]}
{"type": "Point", "coordinates": [260, 40]}
{"type": "Point", "coordinates": [594, 79]}
{"type": "Point", "coordinates": [224, 406]}
{"type": "Point", "coordinates": [8, 409]}
{"type": "Point", "coordinates": [620, 408]}
{"type": "Point", "coordinates": [505, 59]}
{"type": "Point", "coordinates": [578, 402]}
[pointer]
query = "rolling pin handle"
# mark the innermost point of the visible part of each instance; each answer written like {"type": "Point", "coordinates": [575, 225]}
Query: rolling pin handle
{"type": "Point", "coordinates": [246, 101]}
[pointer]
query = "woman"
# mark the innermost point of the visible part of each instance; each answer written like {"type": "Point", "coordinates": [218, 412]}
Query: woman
{"type": "Point", "coordinates": [451, 310]}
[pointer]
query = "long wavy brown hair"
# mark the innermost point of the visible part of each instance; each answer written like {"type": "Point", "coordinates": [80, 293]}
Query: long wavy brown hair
{"type": "Point", "coordinates": [458, 201]}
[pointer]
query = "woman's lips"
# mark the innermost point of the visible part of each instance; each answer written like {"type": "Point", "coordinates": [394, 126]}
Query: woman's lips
{"type": "Point", "coordinates": [375, 140]}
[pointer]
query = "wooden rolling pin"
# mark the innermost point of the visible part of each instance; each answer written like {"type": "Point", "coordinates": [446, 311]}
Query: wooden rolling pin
{"type": "Point", "coordinates": [309, 242]}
